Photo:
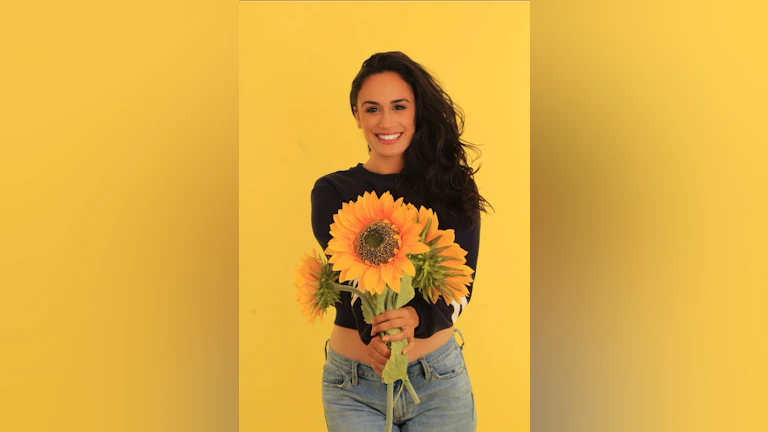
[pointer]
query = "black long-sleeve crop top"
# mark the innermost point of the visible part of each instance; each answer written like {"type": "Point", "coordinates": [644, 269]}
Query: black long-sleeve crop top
{"type": "Point", "coordinates": [327, 196]}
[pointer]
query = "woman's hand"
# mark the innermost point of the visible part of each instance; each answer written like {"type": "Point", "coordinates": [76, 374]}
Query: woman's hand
{"type": "Point", "coordinates": [379, 353]}
{"type": "Point", "coordinates": [405, 318]}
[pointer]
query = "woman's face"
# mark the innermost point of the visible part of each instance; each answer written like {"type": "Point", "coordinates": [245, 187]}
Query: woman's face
{"type": "Point", "coordinates": [386, 113]}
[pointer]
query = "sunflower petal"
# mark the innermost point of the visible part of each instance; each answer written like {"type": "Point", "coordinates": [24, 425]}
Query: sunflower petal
{"type": "Point", "coordinates": [371, 280]}
{"type": "Point", "coordinates": [344, 261]}
{"type": "Point", "coordinates": [338, 244]}
{"type": "Point", "coordinates": [387, 274]}
{"type": "Point", "coordinates": [449, 236]}
{"type": "Point", "coordinates": [374, 209]}
{"type": "Point", "coordinates": [361, 285]}
{"type": "Point", "coordinates": [406, 264]}
{"type": "Point", "coordinates": [349, 219]}
{"type": "Point", "coordinates": [399, 217]}
{"type": "Point", "coordinates": [356, 270]}
{"type": "Point", "coordinates": [411, 230]}
{"type": "Point", "coordinates": [361, 210]}
{"type": "Point", "coordinates": [387, 205]}
{"type": "Point", "coordinates": [416, 248]}
{"type": "Point", "coordinates": [395, 285]}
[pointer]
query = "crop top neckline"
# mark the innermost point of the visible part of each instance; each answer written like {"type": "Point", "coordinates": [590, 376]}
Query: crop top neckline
{"type": "Point", "coordinates": [373, 175]}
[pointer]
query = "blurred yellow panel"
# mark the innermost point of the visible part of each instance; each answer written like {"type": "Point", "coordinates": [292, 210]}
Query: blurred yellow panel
{"type": "Point", "coordinates": [118, 241]}
{"type": "Point", "coordinates": [648, 210]}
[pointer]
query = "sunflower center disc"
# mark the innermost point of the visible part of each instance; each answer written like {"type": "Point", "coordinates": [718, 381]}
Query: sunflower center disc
{"type": "Point", "coordinates": [377, 242]}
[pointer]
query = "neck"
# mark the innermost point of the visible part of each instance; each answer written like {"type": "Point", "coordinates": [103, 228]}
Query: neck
{"type": "Point", "coordinates": [381, 165]}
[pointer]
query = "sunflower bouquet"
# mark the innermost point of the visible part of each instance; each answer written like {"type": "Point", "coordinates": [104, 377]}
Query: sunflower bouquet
{"type": "Point", "coordinates": [387, 249]}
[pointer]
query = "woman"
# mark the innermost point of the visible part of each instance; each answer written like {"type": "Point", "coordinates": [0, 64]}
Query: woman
{"type": "Point", "coordinates": [415, 152]}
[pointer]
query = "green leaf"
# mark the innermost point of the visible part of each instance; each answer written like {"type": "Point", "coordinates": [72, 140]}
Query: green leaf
{"type": "Point", "coordinates": [424, 231]}
{"type": "Point", "coordinates": [368, 313]}
{"type": "Point", "coordinates": [397, 365]}
{"type": "Point", "coordinates": [381, 301]}
{"type": "Point", "coordinates": [436, 251]}
{"type": "Point", "coordinates": [406, 291]}
{"type": "Point", "coordinates": [428, 294]}
{"type": "Point", "coordinates": [389, 301]}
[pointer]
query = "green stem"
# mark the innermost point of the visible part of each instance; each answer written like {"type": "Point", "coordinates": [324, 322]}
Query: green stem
{"type": "Point", "coordinates": [411, 391]}
{"type": "Point", "coordinates": [351, 290]}
{"type": "Point", "coordinates": [390, 405]}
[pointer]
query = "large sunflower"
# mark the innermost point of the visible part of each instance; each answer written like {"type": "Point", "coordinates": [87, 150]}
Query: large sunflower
{"type": "Point", "coordinates": [371, 238]}
{"type": "Point", "coordinates": [315, 283]}
{"type": "Point", "coordinates": [442, 270]}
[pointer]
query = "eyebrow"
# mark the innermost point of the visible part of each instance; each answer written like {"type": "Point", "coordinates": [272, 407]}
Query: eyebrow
{"type": "Point", "coordinates": [376, 103]}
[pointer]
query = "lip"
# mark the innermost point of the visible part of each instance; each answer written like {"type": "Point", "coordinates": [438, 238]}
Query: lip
{"type": "Point", "coordinates": [389, 142]}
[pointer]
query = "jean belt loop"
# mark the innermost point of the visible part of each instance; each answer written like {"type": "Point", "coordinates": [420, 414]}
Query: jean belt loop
{"type": "Point", "coordinates": [326, 348]}
{"type": "Point", "coordinates": [461, 347]}
{"type": "Point", "coordinates": [354, 372]}
{"type": "Point", "coordinates": [425, 366]}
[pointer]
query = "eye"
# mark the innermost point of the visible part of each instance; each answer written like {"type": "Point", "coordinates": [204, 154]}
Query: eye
{"type": "Point", "coordinates": [371, 109]}
{"type": "Point", "coordinates": [399, 107]}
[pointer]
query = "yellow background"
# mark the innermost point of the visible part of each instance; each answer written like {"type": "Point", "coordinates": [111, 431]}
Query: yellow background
{"type": "Point", "coordinates": [297, 61]}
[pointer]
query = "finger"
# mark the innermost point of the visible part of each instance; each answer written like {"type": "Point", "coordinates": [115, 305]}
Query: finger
{"type": "Point", "coordinates": [377, 365]}
{"type": "Point", "coordinates": [411, 342]}
{"type": "Point", "coordinates": [377, 356]}
{"type": "Point", "coordinates": [397, 323]}
{"type": "Point", "coordinates": [380, 347]}
{"type": "Point", "coordinates": [378, 359]}
{"type": "Point", "coordinates": [390, 324]}
{"type": "Point", "coordinates": [380, 317]}
{"type": "Point", "coordinates": [383, 350]}
{"type": "Point", "coordinates": [388, 315]}
{"type": "Point", "coordinates": [398, 336]}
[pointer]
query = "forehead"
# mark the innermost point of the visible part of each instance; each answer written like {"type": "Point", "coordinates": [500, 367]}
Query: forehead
{"type": "Point", "coordinates": [384, 87]}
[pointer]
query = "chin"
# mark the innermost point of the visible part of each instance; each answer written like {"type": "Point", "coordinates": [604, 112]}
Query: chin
{"type": "Point", "coordinates": [388, 152]}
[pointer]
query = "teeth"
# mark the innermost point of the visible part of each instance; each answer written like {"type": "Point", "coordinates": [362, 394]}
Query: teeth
{"type": "Point", "coordinates": [389, 137]}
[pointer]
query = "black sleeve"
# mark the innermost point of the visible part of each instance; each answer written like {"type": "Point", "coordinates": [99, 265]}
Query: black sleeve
{"type": "Point", "coordinates": [326, 202]}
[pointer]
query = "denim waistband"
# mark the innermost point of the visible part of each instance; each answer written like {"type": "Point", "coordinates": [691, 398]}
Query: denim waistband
{"type": "Point", "coordinates": [416, 367]}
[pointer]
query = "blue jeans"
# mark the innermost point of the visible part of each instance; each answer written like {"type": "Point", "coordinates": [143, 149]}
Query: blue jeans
{"type": "Point", "coordinates": [355, 399]}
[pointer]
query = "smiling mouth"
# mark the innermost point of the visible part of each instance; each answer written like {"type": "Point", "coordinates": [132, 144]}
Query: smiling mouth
{"type": "Point", "coordinates": [389, 138]}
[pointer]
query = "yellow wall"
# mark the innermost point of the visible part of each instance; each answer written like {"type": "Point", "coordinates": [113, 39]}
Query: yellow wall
{"type": "Point", "coordinates": [297, 60]}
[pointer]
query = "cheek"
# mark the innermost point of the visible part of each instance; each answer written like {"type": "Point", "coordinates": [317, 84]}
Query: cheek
{"type": "Point", "coordinates": [411, 122]}
{"type": "Point", "coordinates": [370, 124]}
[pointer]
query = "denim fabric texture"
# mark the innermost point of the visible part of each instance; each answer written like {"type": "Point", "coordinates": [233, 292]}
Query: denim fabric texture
{"type": "Point", "coordinates": [355, 399]}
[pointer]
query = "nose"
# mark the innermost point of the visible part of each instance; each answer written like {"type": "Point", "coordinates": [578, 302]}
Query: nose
{"type": "Point", "coordinates": [386, 119]}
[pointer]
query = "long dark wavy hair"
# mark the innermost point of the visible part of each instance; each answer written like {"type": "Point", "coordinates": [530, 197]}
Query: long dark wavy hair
{"type": "Point", "coordinates": [436, 171]}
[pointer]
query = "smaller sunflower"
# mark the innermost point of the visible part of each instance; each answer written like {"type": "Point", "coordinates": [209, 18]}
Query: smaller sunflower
{"type": "Point", "coordinates": [315, 282]}
{"type": "Point", "coordinates": [441, 271]}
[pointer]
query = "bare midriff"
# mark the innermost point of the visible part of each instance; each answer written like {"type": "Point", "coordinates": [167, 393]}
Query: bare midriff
{"type": "Point", "coordinates": [347, 342]}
